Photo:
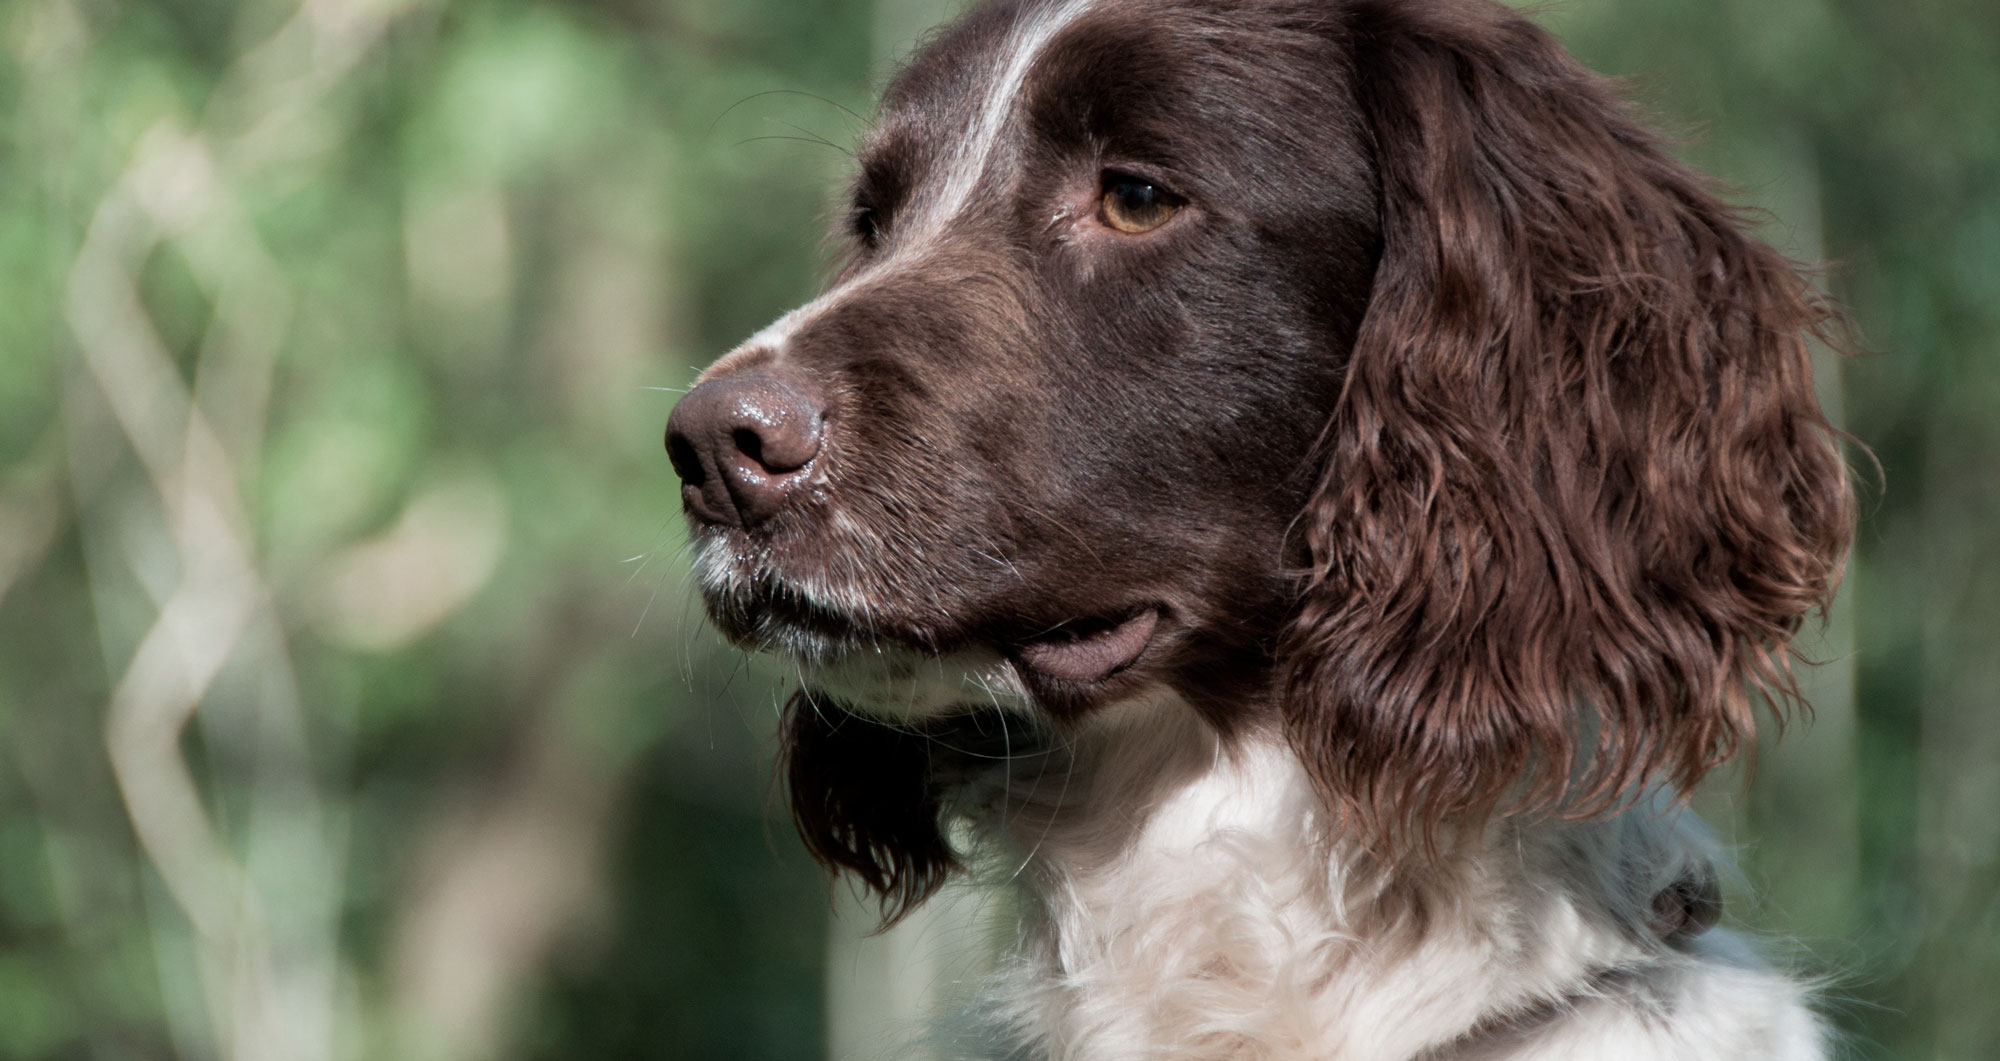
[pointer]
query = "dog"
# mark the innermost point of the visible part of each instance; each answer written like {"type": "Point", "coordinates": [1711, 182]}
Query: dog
{"type": "Point", "coordinates": [1303, 488]}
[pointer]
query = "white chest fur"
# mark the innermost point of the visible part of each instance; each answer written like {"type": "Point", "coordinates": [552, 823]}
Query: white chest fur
{"type": "Point", "coordinates": [1189, 902]}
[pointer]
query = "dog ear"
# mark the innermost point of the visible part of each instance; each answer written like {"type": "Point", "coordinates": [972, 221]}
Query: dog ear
{"type": "Point", "coordinates": [1577, 493]}
{"type": "Point", "coordinates": [864, 801]}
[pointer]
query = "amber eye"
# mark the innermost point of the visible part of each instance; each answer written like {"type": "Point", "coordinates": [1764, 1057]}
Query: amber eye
{"type": "Point", "coordinates": [1132, 206]}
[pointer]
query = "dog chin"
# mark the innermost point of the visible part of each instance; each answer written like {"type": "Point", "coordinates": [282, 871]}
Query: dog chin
{"type": "Point", "coordinates": [844, 659]}
{"type": "Point", "coordinates": [899, 683]}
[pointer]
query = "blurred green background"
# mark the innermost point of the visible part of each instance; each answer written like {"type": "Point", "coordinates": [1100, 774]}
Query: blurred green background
{"type": "Point", "coordinates": [352, 700]}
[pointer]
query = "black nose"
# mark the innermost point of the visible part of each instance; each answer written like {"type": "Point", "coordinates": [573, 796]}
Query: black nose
{"type": "Point", "coordinates": [741, 446]}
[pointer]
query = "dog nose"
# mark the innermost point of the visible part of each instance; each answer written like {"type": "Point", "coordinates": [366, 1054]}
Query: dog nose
{"type": "Point", "coordinates": [741, 446]}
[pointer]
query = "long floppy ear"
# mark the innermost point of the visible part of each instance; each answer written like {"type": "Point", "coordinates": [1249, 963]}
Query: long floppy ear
{"type": "Point", "coordinates": [1577, 493]}
{"type": "Point", "coordinates": [865, 802]}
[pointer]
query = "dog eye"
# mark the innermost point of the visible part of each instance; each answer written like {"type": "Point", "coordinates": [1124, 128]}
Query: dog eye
{"type": "Point", "coordinates": [1132, 206]}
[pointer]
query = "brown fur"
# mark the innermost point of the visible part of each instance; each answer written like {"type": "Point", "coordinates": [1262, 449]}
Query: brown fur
{"type": "Point", "coordinates": [1576, 460]}
{"type": "Point", "coordinates": [1450, 426]}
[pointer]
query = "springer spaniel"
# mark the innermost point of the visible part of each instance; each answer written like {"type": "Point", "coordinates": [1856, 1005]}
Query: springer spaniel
{"type": "Point", "coordinates": [1304, 487]}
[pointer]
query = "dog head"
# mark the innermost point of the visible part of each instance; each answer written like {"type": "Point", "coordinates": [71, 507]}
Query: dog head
{"type": "Point", "coordinates": [1355, 367]}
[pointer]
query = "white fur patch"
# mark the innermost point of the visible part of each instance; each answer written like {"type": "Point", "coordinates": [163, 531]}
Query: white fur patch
{"type": "Point", "coordinates": [931, 210]}
{"type": "Point", "coordinates": [973, 152]}
{"type": "Point", "coordinates": [891, 682]}
{"type": "Point", "coordinates": [1191, 906]}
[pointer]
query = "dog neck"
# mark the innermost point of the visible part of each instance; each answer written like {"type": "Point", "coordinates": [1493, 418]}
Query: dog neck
{"type": "Point", "coordinates": [1191, 899]}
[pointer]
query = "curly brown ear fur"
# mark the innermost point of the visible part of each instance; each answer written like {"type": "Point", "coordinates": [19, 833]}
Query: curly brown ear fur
{"type": "Point", "coordinates": [864, 801]}
{"type": "Point", "coordinates": [1576, 465]}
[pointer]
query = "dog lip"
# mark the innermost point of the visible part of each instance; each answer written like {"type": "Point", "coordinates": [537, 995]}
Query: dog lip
{"type": "Point", "coordinates": [1091, 656]}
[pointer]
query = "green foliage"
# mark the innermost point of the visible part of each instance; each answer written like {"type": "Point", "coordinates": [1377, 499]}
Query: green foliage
{"type": "Point", "coordinates": [461, 778]}
{"type": "Point", "coordinates": [352, 703]}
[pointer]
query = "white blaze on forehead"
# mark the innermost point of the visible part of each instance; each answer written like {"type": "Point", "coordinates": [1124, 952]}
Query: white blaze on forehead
{"type": "Point", "coordinates": [770, 340]}
{"type": "Point", "coordinates": [774, 334]}
{"type": "Point", "coordinates": [974, 151]}
{"type": "Point", "coordinates": [928, 215]}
